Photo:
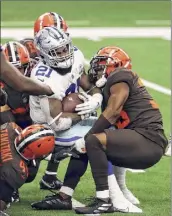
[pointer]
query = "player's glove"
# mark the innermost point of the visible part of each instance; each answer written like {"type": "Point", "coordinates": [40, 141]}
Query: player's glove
{"type": "Point", "coordinates": [91, 103]}
{"type": "Point", "coordinates": [62, 152]}
{"type": "Point", "coordinates": [3, 97]}
{"type": "Point", "coordinates": [80, 146]}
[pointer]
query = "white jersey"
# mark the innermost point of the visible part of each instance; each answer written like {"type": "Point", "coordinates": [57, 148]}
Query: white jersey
{"type": "Point", "coordinates": [68, 83]}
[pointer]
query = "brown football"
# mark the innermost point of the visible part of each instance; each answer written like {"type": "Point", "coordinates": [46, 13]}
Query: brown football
{"type": "Point", "coordinates": [70, 101]}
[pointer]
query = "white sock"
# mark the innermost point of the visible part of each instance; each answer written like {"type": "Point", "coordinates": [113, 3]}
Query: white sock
{"type": "Point", "coordinates": [120, 174]}
{"type": "Point", "coordinates": [102, 194]}
{"type": "Point", "coordinates": [114, 189]}
{"type": "Point", "coordinates": [67, 190]}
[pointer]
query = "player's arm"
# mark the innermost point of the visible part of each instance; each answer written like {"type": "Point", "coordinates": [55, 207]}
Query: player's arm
{"type": "Point", "coordinates": [52, 107]}
{"type": "Point", "coordinates": [11, 76]}
{"type": "Point", "coordinates": [119, 94]}
{"type": "Point", "coordinates": [92, 100]}
{"type": "Point", "coordinates": [87, 86]}
{"type": "Point", "coordinates": [6, 115]}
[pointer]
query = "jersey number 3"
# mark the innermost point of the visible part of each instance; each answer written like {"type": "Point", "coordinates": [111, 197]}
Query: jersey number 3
{"type": "Point", "coordinates": [44, 71]}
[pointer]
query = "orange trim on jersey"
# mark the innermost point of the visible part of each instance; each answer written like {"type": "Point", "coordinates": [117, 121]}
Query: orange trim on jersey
{"type": "Point", "coordinates": [19, 110]}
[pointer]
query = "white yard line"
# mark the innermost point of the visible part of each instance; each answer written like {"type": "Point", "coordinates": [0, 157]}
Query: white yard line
{"type": "Point", "coordinates": [31, 23]}
{"type": "Point", "coordinates": [97, 33]}
{"type": "Point", "coordinates": [153, 22]}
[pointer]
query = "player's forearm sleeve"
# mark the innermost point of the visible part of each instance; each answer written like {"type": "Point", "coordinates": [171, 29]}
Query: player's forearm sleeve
{"type": "Point", "coordinates": [99, 126]}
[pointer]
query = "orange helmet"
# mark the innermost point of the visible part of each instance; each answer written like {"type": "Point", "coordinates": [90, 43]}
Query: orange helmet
{"type": "Point", "coordinates": [50, 19]}
{"type": "Point", "coordinates": [35, 141]}
{"type": "Point", "coordinates": [17, 54]}
{"type": "Point", "coordinates": [29, 44]}
{"type": "Point", "coordinates": [108, 59]}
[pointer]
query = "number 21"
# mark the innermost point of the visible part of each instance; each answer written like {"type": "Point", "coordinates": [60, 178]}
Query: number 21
{"type": "Point", "coordinates": [44, 71]}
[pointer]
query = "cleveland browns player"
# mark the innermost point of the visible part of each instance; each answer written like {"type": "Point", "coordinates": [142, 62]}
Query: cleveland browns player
{"type": "Point", "coordinates": [139, 141]}
{"type": "Point", "coordinates": [10, 75]}
{"type": "Point", "coordinates": [18, 149]}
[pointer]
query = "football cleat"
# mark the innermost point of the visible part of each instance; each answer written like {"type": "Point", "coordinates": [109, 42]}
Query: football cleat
{"type": "Point", "coordinates": [54, 202]}
{"type": "Point", "coordinates": [98, 206]}
{"type": "Point", "coordinates": [15, 196]}
{"type": "Point", "coordinates": [55, 184]}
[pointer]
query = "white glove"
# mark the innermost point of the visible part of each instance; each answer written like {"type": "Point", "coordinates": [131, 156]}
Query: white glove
{"type": "Point", "coordinates": [80, 146]}
{"type": "Point", "coordinates": [91, 103]}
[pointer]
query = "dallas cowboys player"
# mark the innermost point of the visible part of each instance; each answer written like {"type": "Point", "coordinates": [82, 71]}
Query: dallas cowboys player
{"type": "Point", "coordinates": [62, 67]}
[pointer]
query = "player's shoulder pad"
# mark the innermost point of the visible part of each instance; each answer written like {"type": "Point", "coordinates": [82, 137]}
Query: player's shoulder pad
{"type": "Point", "coordinates": [78, 53]}
{"type": "Point", "coordinates": [120, 75]}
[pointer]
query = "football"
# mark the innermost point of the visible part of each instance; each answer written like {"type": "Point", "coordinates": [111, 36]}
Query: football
{"type": "Point", "coordinates": [70, 101]}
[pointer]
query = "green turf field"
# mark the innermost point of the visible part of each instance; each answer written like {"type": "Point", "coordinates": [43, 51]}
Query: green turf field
{"type": "Point", "coordinates": [151, 60]}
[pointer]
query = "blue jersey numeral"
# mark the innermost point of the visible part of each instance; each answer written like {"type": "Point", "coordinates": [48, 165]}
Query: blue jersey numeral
{"type": "Point", "coordinates": [44, 71]}
{"type": "Point", "coordinates": [74, 87]}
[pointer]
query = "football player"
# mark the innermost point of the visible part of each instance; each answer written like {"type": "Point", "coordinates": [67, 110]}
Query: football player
{"type": "Point", "coordinates": [18, 149]}
{"type": "Point", "coordinates": [17, 55]}
{"type": "Point", "coordinates": [138, 143]}
{"type": "Point", "coordinates": [49, 19]}
{"type": "Point", "coordinates": [63, 200]}
{"type": "Point", "coordinates": [10, 75]}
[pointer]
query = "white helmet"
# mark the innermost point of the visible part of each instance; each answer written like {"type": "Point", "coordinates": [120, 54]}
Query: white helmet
{"type": "Point", "coordinates": [55, 47]}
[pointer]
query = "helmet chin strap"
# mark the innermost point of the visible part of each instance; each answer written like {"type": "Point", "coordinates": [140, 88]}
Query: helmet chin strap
{"type": "Point", "coordinates": [101, 82]}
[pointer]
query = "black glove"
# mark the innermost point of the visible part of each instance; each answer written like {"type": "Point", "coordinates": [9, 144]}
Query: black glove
{"type": "Point", "coordinates": [62, 152]}
{"type": "Point", "coordinates": [3, 97]}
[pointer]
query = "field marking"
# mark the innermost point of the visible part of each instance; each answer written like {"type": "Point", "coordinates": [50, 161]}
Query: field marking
{"type": "Point", "coordinates": [97, 33]}
{"type": "Point", "coordinates": [149, 84]}
{"type": "Point", "coordinates": [154, 22]}
{"type": "Point", "coordinates": [31, 23]}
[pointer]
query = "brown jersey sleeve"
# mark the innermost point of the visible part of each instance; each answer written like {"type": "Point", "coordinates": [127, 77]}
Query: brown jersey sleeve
{"type": "Point", "coordinates": [121, 75]}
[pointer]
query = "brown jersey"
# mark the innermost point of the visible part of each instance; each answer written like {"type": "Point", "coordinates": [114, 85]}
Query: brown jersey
{"type": "Point", "coordinates": [140, 112]}
{"type": "Point", "coordinates": [13, 168]}
{"type": "Point", "coordinates": [19, 105]}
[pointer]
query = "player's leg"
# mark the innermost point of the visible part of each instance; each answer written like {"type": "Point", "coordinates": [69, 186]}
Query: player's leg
{"type": "Point", "coordinates": [50, 180]}
{"type": "Point", "coordinates": [75, 170]}
{"type": "Point", "coordinates": [6, 192]}
{"type": "Point", "coordinates": [120, 174]}
{"type": "Point", "coordinates": [125, 148]}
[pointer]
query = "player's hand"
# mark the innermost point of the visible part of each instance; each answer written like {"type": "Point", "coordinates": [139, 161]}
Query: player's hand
{"type": "Point", "coordinates": [62, 152]}
{"type": "Point", "coordinates": [3, 97]}
{"type": "Point", "coordinates": [80, 146]}
{"type": "Point", "coordinates": [91, 103]}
